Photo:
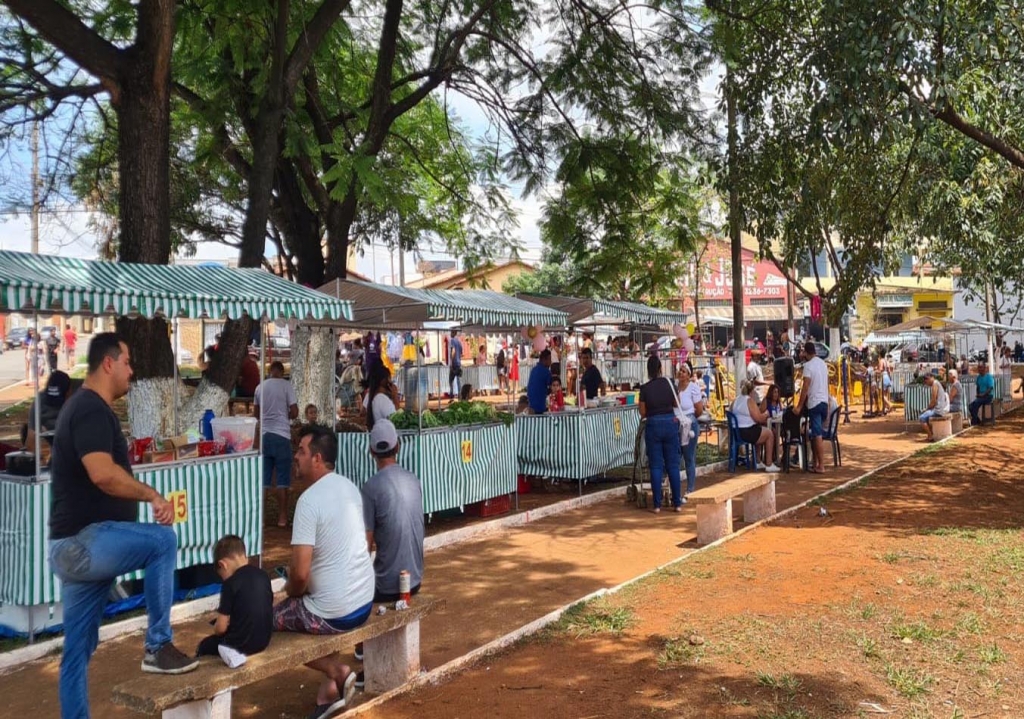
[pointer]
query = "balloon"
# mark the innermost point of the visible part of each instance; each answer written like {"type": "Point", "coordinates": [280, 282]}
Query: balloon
{"type": "Point", "coordinates": [678, 331]}
{"type": "Point", "coordinates": [688, 344]}
{"type": "Point", "coordinates": [540, 342]}
{"type": "Point", "coordinates": [690, 329]}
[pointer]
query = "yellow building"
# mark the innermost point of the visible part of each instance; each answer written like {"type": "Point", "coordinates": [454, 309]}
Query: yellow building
{"type": "Point", "coordinates": [490, 277]}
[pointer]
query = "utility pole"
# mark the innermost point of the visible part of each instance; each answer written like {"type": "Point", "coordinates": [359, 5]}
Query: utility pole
{"type": "Point", "coordinates": [401, 266]}
{"type": "Point", "coordinates": [35, 188]}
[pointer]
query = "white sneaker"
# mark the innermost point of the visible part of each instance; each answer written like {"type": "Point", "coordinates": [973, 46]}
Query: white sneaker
{"type": "Point", "coordinates": [232, 657]}
{"type": "Point", "coordinates": [772, 468]}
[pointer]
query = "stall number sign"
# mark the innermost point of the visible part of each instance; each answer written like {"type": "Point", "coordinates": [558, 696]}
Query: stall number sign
{"type": "Point", "coordinates": [467, 451]}
{"type": "Point", "coordinates": [179, 501]}
{"type": "Point", "coordinates": [617, 423]}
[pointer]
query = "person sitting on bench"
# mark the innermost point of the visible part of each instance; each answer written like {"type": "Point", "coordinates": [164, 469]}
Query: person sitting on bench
{"type": "Point", "coordinates": [330, 578]}
{"type": "Point", "coordinates": [938, 404]}
{"type": "Point", "coordinates": [245, 616]}
{"type": "Point", "coordinates": [986, 387]}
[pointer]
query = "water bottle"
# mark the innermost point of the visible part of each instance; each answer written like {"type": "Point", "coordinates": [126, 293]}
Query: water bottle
{"type": "Point", "coordinates": [206, 424]}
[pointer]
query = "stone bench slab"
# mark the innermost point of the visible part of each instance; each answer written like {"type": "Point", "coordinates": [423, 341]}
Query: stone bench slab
{"type": "Point", "coordinates": [729, 488]}
{"type": "Point", "coordinates": [154, 693]}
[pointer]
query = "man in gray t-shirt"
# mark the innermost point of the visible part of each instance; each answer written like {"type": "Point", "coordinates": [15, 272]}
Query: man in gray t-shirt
{"type": "Point", "coordinates": [276, 397]}
{"type": "Point", "coordinates": [393, 515]}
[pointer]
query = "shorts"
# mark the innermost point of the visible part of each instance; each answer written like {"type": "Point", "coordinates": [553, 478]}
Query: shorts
{"type": "Point", "coordinates": [277, 454]}
{"type": "Point", "coordinates": [292, 615]}
{"type": "Point", "coordinates": [816, 417]}
{"type": "Point", "coordinates": [503, 371]}
{"type": "Point", "coordinates": [928, 414]}
{"type": "Point", "coordinates": [751, 434]}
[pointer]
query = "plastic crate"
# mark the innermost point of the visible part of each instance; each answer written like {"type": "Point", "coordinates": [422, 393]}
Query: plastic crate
{"type": "Point", "coordinates": [490, 507]}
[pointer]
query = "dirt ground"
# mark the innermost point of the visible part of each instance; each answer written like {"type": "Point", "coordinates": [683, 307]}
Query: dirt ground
{"type": "Point", "coordinates": [904, 600]}
{"type": "Point", "coordinates": [497, 584]}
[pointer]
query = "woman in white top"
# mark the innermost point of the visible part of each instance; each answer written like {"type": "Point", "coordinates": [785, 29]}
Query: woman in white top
{"type": "Point", "coordinates": [751, 421]}
{"type": "Point", "coordinates": [691, 401]}
{"type": "Point", "coordinates": [381, 395]}
{"type": "Point", "coordinates": [1006, 370]}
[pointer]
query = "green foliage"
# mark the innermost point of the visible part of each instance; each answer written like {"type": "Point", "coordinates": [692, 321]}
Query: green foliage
{"type": "Point", "coordinates": [457, 413]}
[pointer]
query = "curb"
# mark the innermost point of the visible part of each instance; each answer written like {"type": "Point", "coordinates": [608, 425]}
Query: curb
{"type": "Point", "coordinates": [444, 672]}
{"type": "Point", "coordinates": [484, 529]}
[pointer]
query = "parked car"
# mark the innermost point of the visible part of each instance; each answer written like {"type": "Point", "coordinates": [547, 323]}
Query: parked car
{"type": "Point", "coordinates": [16, 337]}
{"type": "Point", "coordinates": [47, 330]}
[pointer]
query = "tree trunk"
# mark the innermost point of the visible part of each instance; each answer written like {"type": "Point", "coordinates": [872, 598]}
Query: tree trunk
{"type": "Point", "coordinates": [339, 225]}
{"type": "Point", "coordinates": [313, 351]}
{"type": "Point", "coordinates": [300, 227]}
{"type": "Point", "coordinates": [220, 379]}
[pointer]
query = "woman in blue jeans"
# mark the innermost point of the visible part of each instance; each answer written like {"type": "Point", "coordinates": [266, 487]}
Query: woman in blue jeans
{"type": "Point", "coordinates": [691, 401]}
{"type": "Point", "coordinates": [657, 405]}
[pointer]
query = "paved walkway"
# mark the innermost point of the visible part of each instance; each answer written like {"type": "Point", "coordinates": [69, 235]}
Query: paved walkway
{"type": "Point", "coordinates": [492, 586]}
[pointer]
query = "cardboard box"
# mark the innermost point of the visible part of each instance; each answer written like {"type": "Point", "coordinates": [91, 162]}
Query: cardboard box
{"type": "Point", "coordinates": [183, 449]}
{"type": "Point", "coordinates": [159, 455]}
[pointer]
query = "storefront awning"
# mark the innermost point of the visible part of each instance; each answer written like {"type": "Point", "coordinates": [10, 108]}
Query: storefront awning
{"type": "Point", "coordinates": [45, 283]}
{"type": "Point", "coordinates": [750, 314]}
{"type": "Point", "coordinates": [383, 306]}
{"type": "Point", "coordinates": [607, 312]}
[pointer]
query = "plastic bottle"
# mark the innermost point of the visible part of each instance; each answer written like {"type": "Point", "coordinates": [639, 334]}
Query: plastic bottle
{"type": "Point", "coordinates": [206, 424]}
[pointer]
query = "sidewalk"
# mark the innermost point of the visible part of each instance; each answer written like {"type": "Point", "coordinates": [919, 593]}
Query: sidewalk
{"type": "Point", "coordinates": [492, 586]}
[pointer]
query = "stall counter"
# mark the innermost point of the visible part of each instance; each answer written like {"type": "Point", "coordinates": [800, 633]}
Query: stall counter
{"type": "Point", "coordinates": [577, 445]}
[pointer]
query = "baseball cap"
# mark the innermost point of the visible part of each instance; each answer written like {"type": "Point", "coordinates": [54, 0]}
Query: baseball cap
{"type": "Point", "coordinates": [57, 388]}
{"type": "Point", "coordinates": [383, 437]}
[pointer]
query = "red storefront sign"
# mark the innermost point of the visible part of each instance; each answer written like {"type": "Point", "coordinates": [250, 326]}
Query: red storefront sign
{"type": "Point", "coordinates": [761, 279]}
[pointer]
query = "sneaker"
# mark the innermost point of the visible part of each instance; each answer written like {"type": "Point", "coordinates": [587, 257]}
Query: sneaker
{"type": "Point", "coordinates": [358, 652]}
{"type": "Point", "coordinates": [168, 660]}
{"type": "Point", "coordinates": [771, 468]}
{"type": "Point", "coordinates": [360, 681]}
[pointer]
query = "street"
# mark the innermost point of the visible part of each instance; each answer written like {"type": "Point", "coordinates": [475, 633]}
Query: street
{"type": "Point", "coordinates": [12, 367]}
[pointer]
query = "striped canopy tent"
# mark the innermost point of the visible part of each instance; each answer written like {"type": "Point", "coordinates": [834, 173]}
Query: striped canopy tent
{"type": "Point", "coordinates": [389, 306]}
{"type": "Point", "coordinates": [590, 312]}
{"type": "Point", "coordinates": [45, 283]}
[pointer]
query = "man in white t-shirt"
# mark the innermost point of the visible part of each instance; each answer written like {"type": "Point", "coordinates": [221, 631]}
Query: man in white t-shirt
{"type": "Point", "coordinates": [813, 402]}
{"type": "Point", "coordinates": [330, 577]}
{"type": "Point", "coordinates": [276, 397]}
{"type": "Point", "coordinates": [756, 375]}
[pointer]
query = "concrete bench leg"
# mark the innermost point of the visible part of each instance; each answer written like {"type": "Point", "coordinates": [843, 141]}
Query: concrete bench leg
{"type": "Point", "coordinates": [714, 521]}
{"type": "Point", "coordinates": [759, 503]}
{"type": "Point", "coordinates": [392, 659]}
{"type": "Point", "coordinates": [217, 708]}
{"type": "Point", "coordinates": [941, 427]}
{"type": "Point", "coordinates": [956, 422]}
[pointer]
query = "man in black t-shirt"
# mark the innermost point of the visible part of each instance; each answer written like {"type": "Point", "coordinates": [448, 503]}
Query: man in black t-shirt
{"type": "Point", "coordinates": [94, 536]}
{"type": "Point", "coordinates": [245, 616]}
{"type": "Point", "coordinates": [591, 377]}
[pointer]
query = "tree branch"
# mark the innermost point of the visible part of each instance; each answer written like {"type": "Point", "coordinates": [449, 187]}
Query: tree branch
{"type": "Point", "coordinates": [309, 40]}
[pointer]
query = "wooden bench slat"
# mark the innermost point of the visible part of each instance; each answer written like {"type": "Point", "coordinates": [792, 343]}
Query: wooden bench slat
{"type": "Point", "coordinates": [152, 693]}
{"type": "Point", "coordinates": [729, 488]}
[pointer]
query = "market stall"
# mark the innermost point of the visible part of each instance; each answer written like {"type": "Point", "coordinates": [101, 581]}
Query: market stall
{"type": "Point", "coordinates": [212, 495]}
{"type": "Point", "coordinates": [472, 458]}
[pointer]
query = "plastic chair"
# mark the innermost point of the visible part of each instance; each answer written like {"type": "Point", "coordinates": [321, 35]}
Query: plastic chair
{"type": "Point", "coordinates": [793, 436]}
{"type": "Point", "coordinates": [831, 435]}
{"type": "Point", "coordinates": [749, 457]}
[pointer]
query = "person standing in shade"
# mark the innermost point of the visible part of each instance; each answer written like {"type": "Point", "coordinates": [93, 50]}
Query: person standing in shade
{"type": "Point", "coordinates": [591, 378]}
{"type": "Point", "coordinates": [455, 364]}
{"type": "Point", "coordinates": [539, 384]}
{"type": "Point", "coordinates": [661, 434]}
{"type": "Point", "coordinates": [95, 535]}
{"type": "Point", "coordinates": [275, 398]}
{"type": "Point", "coordinates": [691, 401]}
{"type": "Point", "coordinates": [814, 402]}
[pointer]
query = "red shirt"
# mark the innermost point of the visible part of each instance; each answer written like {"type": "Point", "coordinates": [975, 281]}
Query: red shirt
{"type": "Point", "coordinates": [249, 377]}
{"type": "Point", "coordinates": [70, 338]}
{"type": "Point", "coordinates": [557, 401]}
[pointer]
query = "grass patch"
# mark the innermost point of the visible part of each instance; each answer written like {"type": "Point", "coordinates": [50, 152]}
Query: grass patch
{"type": "Point", "coordinates": [784, 713]}
{"type": "Point", "coordinates": [785, 683]}
{"type": "Point", "coordinates": [991, 654]}
{"type": "Point", "coordinates": [934, 448]}
{"type": "Point", "coordinates": [594, 618]}
{"type": "Point", "coordinates": [954, 532]}
{"type": "Point", "coordinates": [970, 623]}
{"type": "Point", "coordinates": [908, 682]}
{"type": "Point", "coordinates": [868, 647]}
{"type": "Point", "coordinates": [678, 651]}
{"type": "Point", "coordinates": [917, 631]}
{"type": "Point", "coordinates": [16, 410]}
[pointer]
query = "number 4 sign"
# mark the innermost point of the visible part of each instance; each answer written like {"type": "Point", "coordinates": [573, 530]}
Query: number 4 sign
{"type": "Point", "coordinates": [179, 501]}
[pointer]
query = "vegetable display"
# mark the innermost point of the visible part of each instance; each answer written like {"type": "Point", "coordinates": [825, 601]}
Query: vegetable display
{"type": "Point", "coordinates": [457, 413]}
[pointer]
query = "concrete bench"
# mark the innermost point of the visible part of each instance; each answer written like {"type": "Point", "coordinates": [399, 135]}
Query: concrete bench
{"type": "Point", "coordinates": [956, 420]}
{"type": "Point", "coordinates": [942, 427]}
{"type": "Point", "coordinates": [714, 504]}
{"type": "Point", "coordinates": [989, 412]}
{"type": "Point", "coordinates": [391, 650]}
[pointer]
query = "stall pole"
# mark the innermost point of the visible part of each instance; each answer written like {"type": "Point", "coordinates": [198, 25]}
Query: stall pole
{"type": "Point", "coordinates": [37, 423]}
{"type": "Point", "coordinates": [174, 344]}
{"type": "Point", "coordinates": [259, 427]}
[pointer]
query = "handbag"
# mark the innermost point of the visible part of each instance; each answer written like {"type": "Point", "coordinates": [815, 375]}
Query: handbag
{"type": "Point", "coordinates": [684, 420]}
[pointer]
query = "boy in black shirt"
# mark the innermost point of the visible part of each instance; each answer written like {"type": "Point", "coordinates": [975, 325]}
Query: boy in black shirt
{"type": "Point", "coordinates": [245, 616]}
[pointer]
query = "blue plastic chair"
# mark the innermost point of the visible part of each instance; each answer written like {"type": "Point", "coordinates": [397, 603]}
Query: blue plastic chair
{"type": "Point", "coordinates": [831, 435]}
{"type": "Point", "coordinates": [748, 458]}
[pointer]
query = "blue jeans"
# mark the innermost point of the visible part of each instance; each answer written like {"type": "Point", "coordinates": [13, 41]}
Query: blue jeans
{"type": "Point", "coordinates": [87, 565]}
{"type": "Point", "coordinates": [277, 454]}
{"type": "Point", "coordinates": [690, 458]}
{"type": "Point", "coordinates": [663, 453]}
{"type": "Point", "coordinates": [976, 405]}
{"type": "Point", "coordinates": [817, 416]}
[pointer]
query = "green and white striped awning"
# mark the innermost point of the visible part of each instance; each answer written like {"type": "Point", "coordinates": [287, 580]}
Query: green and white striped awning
{"type": "Point", "coordinates": [583, 311]}
{"type": "Point", "coordinates": [46, 283]}
{"type": "Point", "coordinates": [407, 308]}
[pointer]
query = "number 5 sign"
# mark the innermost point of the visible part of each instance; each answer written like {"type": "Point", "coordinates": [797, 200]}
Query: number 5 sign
{"type": "Point", "coordinates": [179, 501]}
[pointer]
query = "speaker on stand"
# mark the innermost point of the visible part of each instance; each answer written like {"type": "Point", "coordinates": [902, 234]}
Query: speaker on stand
{"type": "Point", "coordinates": [784, 371]}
